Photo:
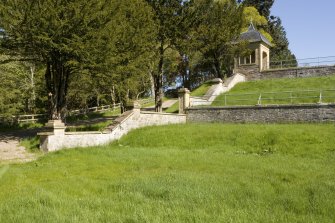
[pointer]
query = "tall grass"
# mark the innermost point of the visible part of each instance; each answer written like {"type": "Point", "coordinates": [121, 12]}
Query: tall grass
{"type": "Point", "coordinates": [182, 173]}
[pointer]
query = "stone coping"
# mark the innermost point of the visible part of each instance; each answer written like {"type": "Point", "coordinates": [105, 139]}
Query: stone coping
{"type": "Point", "coordinates": [71, 133]}
{"type": "Point", "coordinates": [118, 121]}
{"type": "Point", "coordinates": [264, 106]}
{"type": "Point", "coordinates": [296, 68]}
{"type": "Point", "coordinates": [45, 133]}
{"type": "Point", "coordinates": [230, 79]}
{"type": "Point", "coordinates": [84, 133]}
{"type": "Point", "coordinates": [161, 113]}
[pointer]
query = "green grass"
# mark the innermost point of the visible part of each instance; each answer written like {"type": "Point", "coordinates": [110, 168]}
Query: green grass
{"type": "Point", "coordinates": [69, 119]}
{"type": "Point", "coordinates": [89, 127]}
{"type": "Point", "coordinates": [248, 93]}
{"type": "Point", "coordinates": [181, 173]}
{"type": "Point", "coordinates": [21, 126]}
{"type": "Point", "coordinates": [100, 126]}
{"type": "Point", "coordinates": [93, 115]}
{"type": "Point", "coordinates": [173, 108]}
{"type": "Point", "coordinates": [201, 90]}
{"type": "Point", "coordinates": [31, 144]}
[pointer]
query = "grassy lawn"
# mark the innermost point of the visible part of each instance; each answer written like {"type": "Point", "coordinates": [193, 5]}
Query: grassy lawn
{"type": "Point", "coordinates": [202, 89]}
{"type": "Point", "coordinates": [89, 127]}
{"type": "Point", "coordinates": [96, 126]}
{"type": "Point", "coordinates": [248, 93]}
{"type": "Point", "coordinates": [21, 126]}
{"type": "Point", "coordinates": [174, 108]}
{"type": "Point", "coordinates": [181, 173]}
{"type": "Point", "coordinates": [93, 115]}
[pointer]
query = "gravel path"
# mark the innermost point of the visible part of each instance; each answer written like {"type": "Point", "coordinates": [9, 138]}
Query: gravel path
{"type": "Point", "coordinates": [10, 150]}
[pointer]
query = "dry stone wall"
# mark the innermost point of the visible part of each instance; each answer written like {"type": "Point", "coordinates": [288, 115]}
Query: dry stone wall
{"type": "Point", "coordinates": [263, 114]}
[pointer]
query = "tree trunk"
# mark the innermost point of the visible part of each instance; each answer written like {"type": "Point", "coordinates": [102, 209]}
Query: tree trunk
{"type": "Point", "coordinates": [57, 77]}
{"type": "Point", "coordinates": [32, 86]}
{"type": "Point", "coordinates": [112, 91]}
{"type": "Point", "coordinates": [152, 85]}
{"type": "Point", "coordinates": [158, 81]}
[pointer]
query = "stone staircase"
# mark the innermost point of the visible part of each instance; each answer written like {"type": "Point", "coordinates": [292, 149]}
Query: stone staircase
{"type": "Point", "coordinates": [216, 90]}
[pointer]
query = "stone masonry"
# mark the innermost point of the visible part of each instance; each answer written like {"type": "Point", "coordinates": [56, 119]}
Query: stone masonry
{"type": "Point", "coordinates": [263, 114]}
{"type": "Point", "coordinates": [252, 72]}
{"type": "Point", "coordinates": [299, 72]}
{"type": "Point", "coordinates": [49, 141]}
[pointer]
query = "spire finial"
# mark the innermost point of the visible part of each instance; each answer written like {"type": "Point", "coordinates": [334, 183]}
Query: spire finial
{"type": "Point", "coordinates": [251, 26]}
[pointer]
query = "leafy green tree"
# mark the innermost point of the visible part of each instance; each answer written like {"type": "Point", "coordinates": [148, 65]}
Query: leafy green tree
{"type": "Point", "coordinates": [130, 61]}
{"type": "Point", "coordinates": [20, 86]}
{"type": "Point", "coordinates": [220, 26]}
{"type": "Point", "coordinates": [280, 51]}
{"type": "Point", "coordinates": [250, 14]}
{"type": "Point", "coordinates": [11, 102]}
{"type": "Point", "coordinates": [262, 6]}
{"type": "Point", "coordinates": [62, 35]}
{"type": "Point", "coordinates": [168, 14]}
{"type": "Point", "coordinates": [185, 42]}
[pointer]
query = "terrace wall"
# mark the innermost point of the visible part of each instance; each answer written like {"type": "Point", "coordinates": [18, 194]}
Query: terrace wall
{"type": "Point", "coordinates": [264, 114]}
{"type": "Point", "coordinates": [252, 72]}
{"type": "Point", "coordinates": [49, 141]}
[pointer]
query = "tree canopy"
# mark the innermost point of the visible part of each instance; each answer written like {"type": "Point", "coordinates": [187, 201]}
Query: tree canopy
{"type": "Point", "coordinates": [100, 51]}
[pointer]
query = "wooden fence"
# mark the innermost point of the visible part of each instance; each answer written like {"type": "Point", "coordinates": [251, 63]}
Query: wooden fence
{"type": "Point", "coordinates": [39, 117]}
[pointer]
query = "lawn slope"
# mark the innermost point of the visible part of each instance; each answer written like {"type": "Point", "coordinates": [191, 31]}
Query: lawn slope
{"type": "Point", "coordinates": [280, 91]}
{"type": "Point", "coordinates": [181, 173]}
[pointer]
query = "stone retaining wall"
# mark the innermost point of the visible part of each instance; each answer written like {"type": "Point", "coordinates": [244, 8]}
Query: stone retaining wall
{"type": "Point", "coordinates": [130, 120]}
{"type": "Point", "coordinates": [299, 72]}
{"type": "Point", "coordinates": [252, 72]}
{"type": "Point", "coordinates": [263, 114]}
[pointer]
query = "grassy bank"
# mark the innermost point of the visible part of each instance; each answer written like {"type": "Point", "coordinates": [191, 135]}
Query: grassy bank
{"type": "Point", "coordinates": [182, 173]}
{"type": "Point", "coordinates": [280, 91]}
{"type": "Point", "coordinates": [202, 89]}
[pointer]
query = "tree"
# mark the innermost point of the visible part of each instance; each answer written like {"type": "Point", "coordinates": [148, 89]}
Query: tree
{"type": "Point", "coordinates": [280, 50]}
{"type": "Point", "coordinates": [20, 85]}
{"type": "Point", "coordinates": [129, 62]}
{"type": "Point", "coordinates": [220, 26]}
{"type": "Point", "coordinates": [262, 6]}
{"type": "Point", "coordinates": [167, 17]}
{"type": "Point", "coordinates": [62, 35]}
{"type": "Point", "coordinates": [185, 43]}
{"type": "Point", "coordinates": [250, 14]}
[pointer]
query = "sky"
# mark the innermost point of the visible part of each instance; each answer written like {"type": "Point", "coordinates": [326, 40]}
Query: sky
{"type": "Point", "coordinates": [309, 25]}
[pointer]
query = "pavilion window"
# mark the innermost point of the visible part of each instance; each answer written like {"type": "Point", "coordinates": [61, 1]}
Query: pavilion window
{"type": "Point", "coordinates": [247, 60]}
{"type": "Point", "coordinates": [251, 59]}
{"type": "Point", "coordinates": [242, 60]}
